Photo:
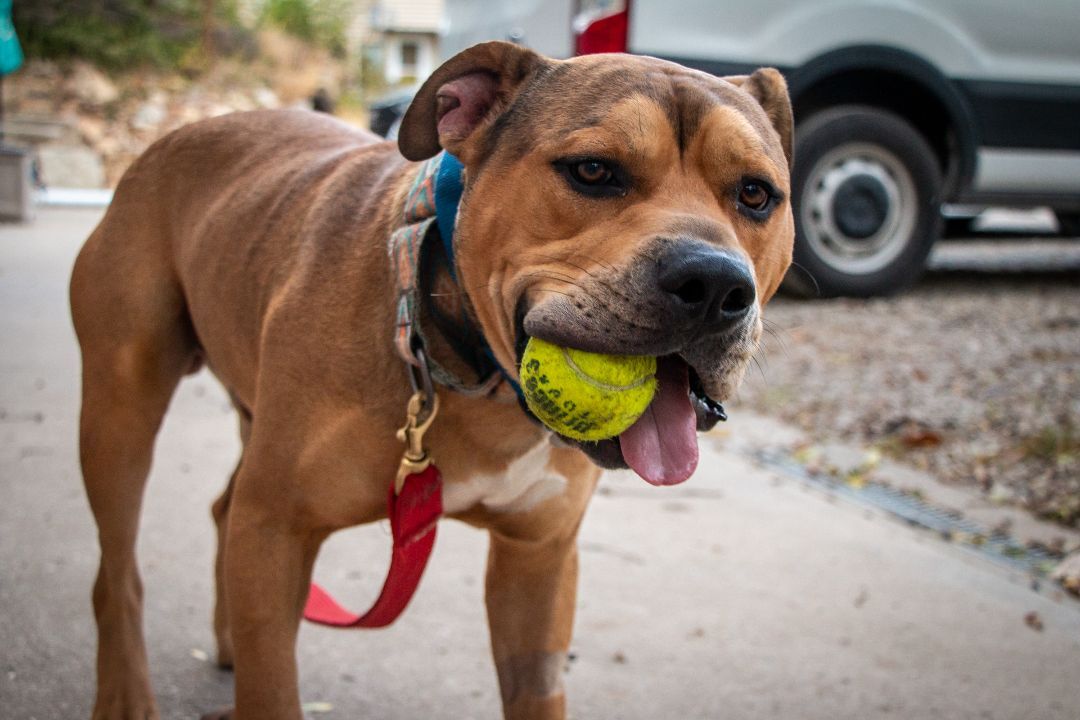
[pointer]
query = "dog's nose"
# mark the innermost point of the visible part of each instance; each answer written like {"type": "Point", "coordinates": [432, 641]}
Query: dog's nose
{"type": "Point", "coordinates": [705, 285]}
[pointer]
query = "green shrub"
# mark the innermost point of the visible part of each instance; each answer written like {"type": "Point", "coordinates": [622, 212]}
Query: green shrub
{"type": "Point", "coordinates": [115, 34]}
{"type": "Point", "coordinates": [317, 21]}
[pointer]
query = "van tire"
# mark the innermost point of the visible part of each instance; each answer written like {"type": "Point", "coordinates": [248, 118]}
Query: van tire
{"type": "Point", "coordinates": [866, 191]}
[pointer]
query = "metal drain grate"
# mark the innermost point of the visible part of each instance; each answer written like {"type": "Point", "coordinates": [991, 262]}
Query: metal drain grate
{"type": "Point", "coordinates": [1001, 549]}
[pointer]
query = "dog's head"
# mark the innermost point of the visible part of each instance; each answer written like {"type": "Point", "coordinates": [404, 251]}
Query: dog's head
{"type": "Point", "coordinates": [622, 205]}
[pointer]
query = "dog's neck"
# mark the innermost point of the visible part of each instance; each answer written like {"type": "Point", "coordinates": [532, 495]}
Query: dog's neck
{"type": "Point", "coordinates": [433, 309]}
{"type": "Point", "coordinates": [450, 328]}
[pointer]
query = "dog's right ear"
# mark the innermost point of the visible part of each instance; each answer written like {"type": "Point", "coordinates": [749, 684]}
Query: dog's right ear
{"type": "Point", "coordinates": [466, 93]}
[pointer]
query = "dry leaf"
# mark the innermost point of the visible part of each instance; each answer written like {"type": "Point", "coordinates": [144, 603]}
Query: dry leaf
{"type": "Point", "coordinates": [917, 436]}
{"type": "Point", "coordinates": [317, 707]}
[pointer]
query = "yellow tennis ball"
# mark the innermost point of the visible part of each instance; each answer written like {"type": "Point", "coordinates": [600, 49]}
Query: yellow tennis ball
{"type": "Point", "coordinates": [583, 395]}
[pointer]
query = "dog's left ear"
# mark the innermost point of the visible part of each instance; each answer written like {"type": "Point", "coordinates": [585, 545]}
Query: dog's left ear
{"type": "Point", "coordinates": [465, 94]}
{"type": "Point", "coordinates": [769, 88]}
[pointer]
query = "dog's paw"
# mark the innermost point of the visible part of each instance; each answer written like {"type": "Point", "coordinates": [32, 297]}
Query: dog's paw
{"type": "Point", "coordinates": [132, 703]}
{"type": "Point", "coordinates": [224, 714]}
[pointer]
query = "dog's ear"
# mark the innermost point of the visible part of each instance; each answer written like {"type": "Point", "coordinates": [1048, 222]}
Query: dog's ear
{"type": "Point", "coordinates": [467, 92]}
{"type": "Point", "coordinates": [768, 87]}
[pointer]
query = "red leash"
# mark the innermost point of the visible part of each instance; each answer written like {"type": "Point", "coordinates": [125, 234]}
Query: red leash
{"type": "Point", "coordinates": [415, 501]}
{"type": "Point", "coordinates": [413, 518]}
{"type": "Point", "coordinates": [414, 505]}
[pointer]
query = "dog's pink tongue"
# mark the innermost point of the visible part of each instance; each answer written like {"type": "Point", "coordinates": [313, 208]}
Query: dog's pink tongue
{"type": "Point", "coordinates": [661, 446]}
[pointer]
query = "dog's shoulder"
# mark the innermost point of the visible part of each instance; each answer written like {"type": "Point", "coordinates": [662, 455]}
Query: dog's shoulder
{"type": "Point", "coordinates": [243, 132]}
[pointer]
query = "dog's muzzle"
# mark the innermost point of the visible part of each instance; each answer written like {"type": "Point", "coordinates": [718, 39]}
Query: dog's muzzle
{"type": "Point", "coordinates": [689, 304]}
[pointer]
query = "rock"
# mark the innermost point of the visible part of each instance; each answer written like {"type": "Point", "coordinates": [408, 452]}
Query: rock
{"type": "Point", "coordinates": [70, 166]}
{"type": "Point", "coordinates": [266, 98]}
{"type": "Point", "coordinates": [216, 109]}
{"type": "Point", "coordinates": [149, 116]}
{"type": "Point", "coordinates": [189, 114]}
{"type": "Point", "coordinates": [90, 86]}
{"type": "Point", "coordinates": [1067, 573]}
{"type": "Point", "coordinates": [108, 146]}
{"type": "Point", "coordinates": [91, 129]}
{"type": "Point", "coordinates": [238, 101]}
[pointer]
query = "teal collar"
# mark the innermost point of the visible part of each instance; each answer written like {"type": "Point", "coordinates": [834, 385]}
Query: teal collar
{"type": "Point", "coordinates": [431, 208]}
{"type": "Point", "coordinates": [449, 185]}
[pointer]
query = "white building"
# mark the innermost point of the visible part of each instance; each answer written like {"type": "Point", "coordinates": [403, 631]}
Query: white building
{"type": "Point", "coordinates": [398, 39]}
{"type": "Point", "coordinates": [408, 31]}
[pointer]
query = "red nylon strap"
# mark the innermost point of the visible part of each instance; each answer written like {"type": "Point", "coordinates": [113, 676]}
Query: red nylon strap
{"type": "Point", "coordinates": [414, 515]}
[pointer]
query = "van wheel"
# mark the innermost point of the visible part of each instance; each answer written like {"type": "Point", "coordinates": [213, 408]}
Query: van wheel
{"type": "Point", "coordinates": [866, 191]}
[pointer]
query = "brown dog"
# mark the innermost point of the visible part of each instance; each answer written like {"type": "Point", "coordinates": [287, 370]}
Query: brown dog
{"type": "Point", "coordinates": [612, 203]}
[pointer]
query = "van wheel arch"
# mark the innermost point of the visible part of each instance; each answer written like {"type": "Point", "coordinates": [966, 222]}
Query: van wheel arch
{"type": "Point", "coordinates": [899, 82]}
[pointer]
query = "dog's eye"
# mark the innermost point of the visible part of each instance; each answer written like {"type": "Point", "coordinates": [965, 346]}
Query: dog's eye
{"type": "Point", "coordinates": [756, 198]}
{"type": "Point", "coordinates": [592, 172]}
{"type": "Point", "coordinates": [593, 177]}
{"type": "Point", "coordinates": [753, 196]}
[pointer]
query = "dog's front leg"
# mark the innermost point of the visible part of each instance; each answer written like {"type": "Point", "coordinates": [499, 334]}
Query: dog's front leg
{"type": "Point", "coordinates": [530, 591]}
{"type": "Point", "coordinates": [268, 564]}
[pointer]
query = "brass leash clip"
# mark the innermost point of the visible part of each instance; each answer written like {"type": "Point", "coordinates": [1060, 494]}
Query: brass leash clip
{"type": "Point", "coordinates": [415, 459]}
{"type": "Point", "coordinates": [419, 413]}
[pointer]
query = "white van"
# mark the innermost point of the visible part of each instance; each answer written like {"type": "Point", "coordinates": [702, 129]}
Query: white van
{"type": "Point", "coordinates": [900, 105]}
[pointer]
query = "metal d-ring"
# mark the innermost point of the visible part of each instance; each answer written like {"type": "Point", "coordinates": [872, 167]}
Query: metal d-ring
{"type": "Point", "coordinates": [423, 383]}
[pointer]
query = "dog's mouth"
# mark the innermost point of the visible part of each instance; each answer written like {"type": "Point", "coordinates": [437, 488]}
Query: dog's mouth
{"type": "Point", "coordinates": [661, 446]}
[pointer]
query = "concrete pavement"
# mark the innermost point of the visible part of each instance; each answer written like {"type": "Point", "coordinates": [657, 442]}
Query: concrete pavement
{"type": "Point", "coordinates": [741, 594]}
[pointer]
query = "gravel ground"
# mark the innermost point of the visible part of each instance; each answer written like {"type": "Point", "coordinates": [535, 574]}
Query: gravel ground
{"type": "Point", "coordinates": [974, 375]}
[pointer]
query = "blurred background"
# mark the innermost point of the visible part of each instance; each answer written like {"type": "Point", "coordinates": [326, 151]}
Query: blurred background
{"type": "Point", "coordinates": [913, 117]}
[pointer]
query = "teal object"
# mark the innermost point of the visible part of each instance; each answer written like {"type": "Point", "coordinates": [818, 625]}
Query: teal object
{"type": "Point", "coordinates": [11, 57]}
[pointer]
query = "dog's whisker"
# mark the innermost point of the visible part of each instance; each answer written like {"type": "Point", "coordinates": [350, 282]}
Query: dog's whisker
{"type": "Point", "coordinates": [762, 362]}
{"type": "Point", "coordinates": [552, 275]}
{"type": "Point", "coordinates": [817, 287]}
{"type": "Point", "coordinates": [778, 336]}
{"type": "Point", "coordinates": [558, 292]}
{"type": "Point", "coordinates": [604, 283]}
{"type": "Point", "coordinates": [606, 266]}
{"type": "Point", "coordinates": [776, 332]}
{"type": "Point", "coordinates": [757, 362]}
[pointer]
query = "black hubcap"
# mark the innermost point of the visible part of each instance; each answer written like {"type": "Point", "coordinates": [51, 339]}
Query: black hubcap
{"type": "Point", "coordinates": [860, 206]}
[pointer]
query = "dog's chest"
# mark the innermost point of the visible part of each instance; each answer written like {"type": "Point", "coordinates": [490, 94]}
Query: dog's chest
{"type": "Point", "coordinates": [526, 483]}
